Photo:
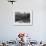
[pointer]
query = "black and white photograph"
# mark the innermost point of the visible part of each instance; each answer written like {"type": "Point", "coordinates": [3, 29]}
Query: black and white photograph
{"type": "Point", "coordinates": [23, 18]}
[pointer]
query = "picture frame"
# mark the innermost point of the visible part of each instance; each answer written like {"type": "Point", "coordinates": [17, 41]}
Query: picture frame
{"type": "Point", "coordinates": [23, 18]}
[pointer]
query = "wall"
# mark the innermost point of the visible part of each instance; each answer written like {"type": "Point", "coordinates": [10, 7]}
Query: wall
{"type": "Point", "coordinates": [9, 31]}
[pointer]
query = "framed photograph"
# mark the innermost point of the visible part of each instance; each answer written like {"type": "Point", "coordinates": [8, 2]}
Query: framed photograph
{"type": "Point", "coordinates": [23, 18]}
